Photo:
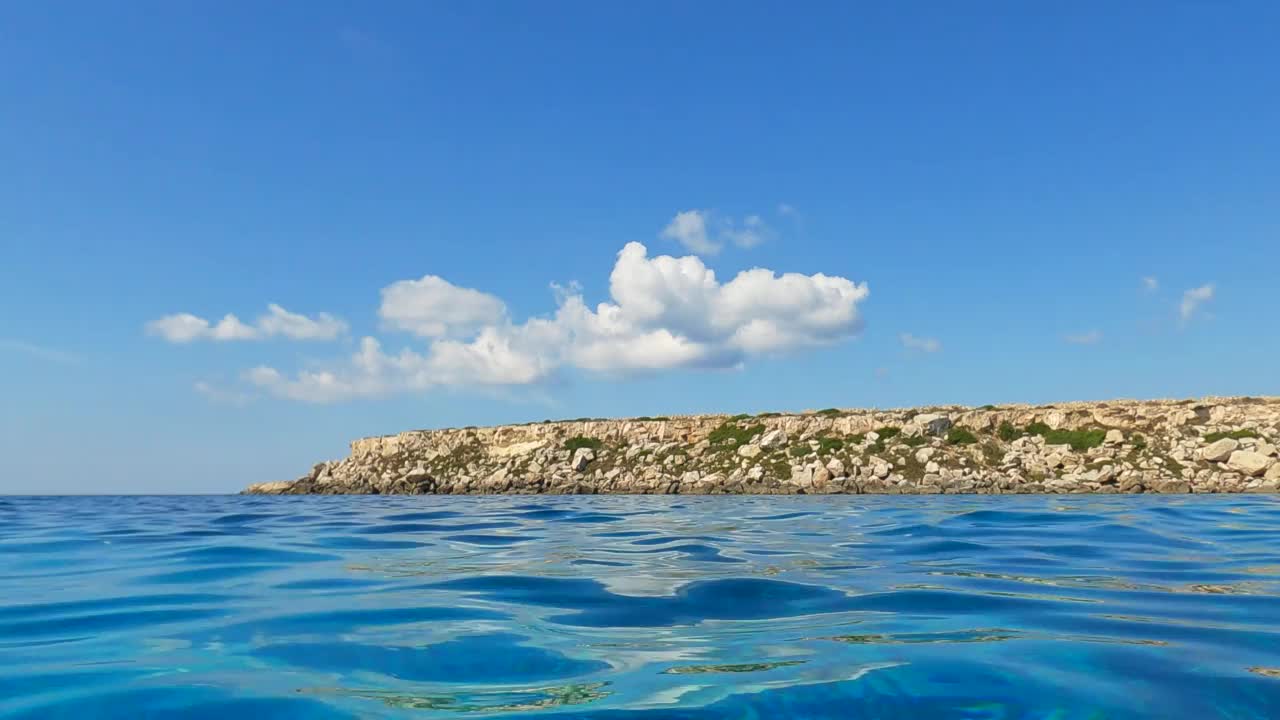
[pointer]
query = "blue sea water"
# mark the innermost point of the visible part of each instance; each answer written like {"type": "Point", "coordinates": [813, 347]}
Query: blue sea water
{"type": "Point", "coordinates": [631, 608]}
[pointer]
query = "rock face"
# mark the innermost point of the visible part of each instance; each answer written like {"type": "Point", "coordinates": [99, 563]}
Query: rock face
{"type": "Point", "coordinates": [1211, 445]}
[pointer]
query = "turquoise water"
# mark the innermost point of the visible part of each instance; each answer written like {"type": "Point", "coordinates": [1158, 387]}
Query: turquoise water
{"type": "Point", "coordinates": [640, 607]}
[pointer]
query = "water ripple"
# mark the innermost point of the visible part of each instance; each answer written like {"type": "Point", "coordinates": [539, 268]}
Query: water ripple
{"type": "Point", "coordinates": [648, 608]}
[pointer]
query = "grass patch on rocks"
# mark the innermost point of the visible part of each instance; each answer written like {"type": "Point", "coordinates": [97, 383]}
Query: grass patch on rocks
{"type": "Point", "coordinates": [1079, 440]}
{"type": "Point", "coordinates": [578, 442]}
{"type": "Point", "coordinates": [1233, 434]}
{"type": "Point", "coordinates": [731, 434]}
{"type": "Point", "coordinates": [961, 436]}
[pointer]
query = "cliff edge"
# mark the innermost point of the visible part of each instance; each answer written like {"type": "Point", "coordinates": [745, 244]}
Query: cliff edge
{"type": "Point", "coordinates": [1209, 445]}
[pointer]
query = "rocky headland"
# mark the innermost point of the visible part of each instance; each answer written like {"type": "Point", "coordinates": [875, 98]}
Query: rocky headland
{"type": "Point", "coordinates": [1211, 445]}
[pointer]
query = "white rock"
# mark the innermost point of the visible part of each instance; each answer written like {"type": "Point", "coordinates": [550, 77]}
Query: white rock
{"type": "Point", "coordinates": [1265, 448]}
{"type": "Point", "coordinates": [932, 423]}
{"type": "Point", "coordinates": [923, 455]}
{"type": "Point", "coordinates": [1114, 437]}
{"type": "Point", "coordinates": [836, 467]}
{"type": "Point", "coordinates": [1247, 462]}
{"type": "Point", "coordinates": [749, 451]}
{"type": "Point", "coordinates": [582, 457]}
{"type": "Point", "coordinates": [773, 439]}
{"type": "Point", "coordinates": [1273, 474]}
{"type": "Point", "coordinates": [1220, 450]}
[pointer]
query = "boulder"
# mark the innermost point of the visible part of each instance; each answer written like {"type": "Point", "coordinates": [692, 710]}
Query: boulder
{"type": "Point", "coordinates": [773, 439]}
{"type": "Point", "coordinates": [749, 451]}
{"type": "Point", "coordinates": [1273, 474]}
{"type": "Point", "coordinates": [933, 424]}
{"type": "Point", "coordinates": [1220, 450]}
{"type": "Point", "coordinates": [1248, 462]}
{"type": "Point", "coordinates": [582, 457]}
{"type": "Point", "coordinates": [1114, 437]}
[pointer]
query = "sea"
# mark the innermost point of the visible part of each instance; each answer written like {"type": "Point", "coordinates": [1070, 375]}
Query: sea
{"type": "Point", "coordinates": [634, 607]}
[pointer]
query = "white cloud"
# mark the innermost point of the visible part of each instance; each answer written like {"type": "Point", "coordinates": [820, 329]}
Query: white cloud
{"type": "Point", "coordinates": [689, 228]}
{"type": "Point", "coordinates": [1193, 299]}
{"type": "Point", "coordinates": [1150, 283]}
{"type": "Point", "coordinates": [434, 307]}
{"type": "Point", "coordinates": [1092, 337]}
{"type": "Point", "coordinates": [185, 327]}
{"type": "Point", "coordinates": [705, 232]}
{"type": "Point", "coordinates": [39, 351]}
{"type": "Point", "coordinates": [923, 344]}
{"type": "Point", "coordinates": [664, 313]}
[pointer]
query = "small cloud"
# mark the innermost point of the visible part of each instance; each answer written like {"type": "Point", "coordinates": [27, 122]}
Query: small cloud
{"type": "Point", "coordinates": [222, 396]}
{"type": "Point", "coordinates": [38, 351]}
{"type": "Point", "coordinates": [1193, 299]}
{"type": "Point", "coordinates": [689, 228]}
{"type": "Point", "coordinates": [704, 232]}
{"type": "Point", "coordinates": [923, 344]}
{"type": "Point", "coordinates": [185, 327]}
{"type": "Point", "coordinates": [1150, 283]}
{"type": "Point", "coordinates": [786, 210]}
{"type": "Point", "coordinates": [1093, 337]}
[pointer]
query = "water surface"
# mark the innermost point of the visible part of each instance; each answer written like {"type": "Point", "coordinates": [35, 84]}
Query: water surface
{"type": "Point", "coordinates": [640, 607]}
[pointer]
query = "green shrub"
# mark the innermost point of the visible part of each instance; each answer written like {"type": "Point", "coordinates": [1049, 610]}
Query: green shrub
{"type": "Point", "coordinates": [960, 436]}
{"type": "Point", "coordinates": [876, 447]}
{"type": "Point", "coordinates": [732, 435]}
{"type": "Point", "coordinates": [1038, 428]}
{"type": "Point", "coordinates": [915, 441]}
{"type": "Point", "coordinates": [888, 431]}
{"type": "Point", "coordinates": [798, 451]}
{"type": "Point", "coordinates": [831, 412]}
{"type": "Point", "coordinates": [1007, 432]}
{"type": "Point", "coordinates": [1139, 442]}
{"type": "Point", "coordinates": [577, 442]}
{"type": "Point", "coordinates": [1233, 434]}
{"type": "Point", "coordinates": [827, 445]}
{"type": "Point", "coordinates": [987, 407]}
{"type": "Point", "coordinates": [857, 438]}
{"type": "Point", "coordinates": [1078, 439]}
{"type": "Point", "coordinates": [739, 416]}
{"type": "Point", "coordinates": [769, 415]}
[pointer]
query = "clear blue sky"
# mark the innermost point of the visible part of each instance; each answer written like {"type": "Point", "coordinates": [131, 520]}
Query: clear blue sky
{"type": "Point", "coordinates": [1004, 177]}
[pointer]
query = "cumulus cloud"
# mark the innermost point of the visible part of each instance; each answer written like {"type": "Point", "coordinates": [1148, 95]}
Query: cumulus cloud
{"type": "Point", "coordinates": [1092, 337]}
{"type": "Point", "coordinates": [276, 322]}
{"type": "Point", "coordinates": [434, 307]}
{"type": "Point", "coordinates": [1193, 299]}
{"type": "Point", "coordinates": [664, 313]}
{"type": "Point", "coordinates": [922, 344]}
{"type": "Point", "coordinates": [1150, 283]}
{"type": "Point", "coordinates": [705, 232]}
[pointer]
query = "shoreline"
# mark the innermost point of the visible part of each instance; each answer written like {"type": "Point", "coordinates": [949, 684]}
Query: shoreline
{"type": "Point", "coordinates": [1209, 445]}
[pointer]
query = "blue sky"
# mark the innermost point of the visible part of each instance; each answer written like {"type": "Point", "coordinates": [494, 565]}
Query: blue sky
{"type": "Point", "coordinates": [984, 192]}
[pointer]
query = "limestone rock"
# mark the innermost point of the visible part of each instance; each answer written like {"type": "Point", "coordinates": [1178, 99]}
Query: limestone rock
{"type": "Point", "coordinates": [1248, 462]}
{"type": "Point", "coordinates": [582, 457]}
{"type": "Point", "coordinates": [773, 439]}
{"type": "Point", "coordinates": [1114, 437]}
{"type": "Point", "coordinates": [749, 451]}
{"type": "Point", "coordinates": [1220, 450]}
{"type": "Point", "coordinates": [934, 424]}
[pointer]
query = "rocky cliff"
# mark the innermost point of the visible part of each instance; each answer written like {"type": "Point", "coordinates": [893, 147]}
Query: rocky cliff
{"type": "Point", "coordinates": [1168, 446]}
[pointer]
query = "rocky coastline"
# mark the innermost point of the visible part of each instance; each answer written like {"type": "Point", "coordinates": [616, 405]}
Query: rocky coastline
{"type": "Point", "coordinates": [1209, 445]}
